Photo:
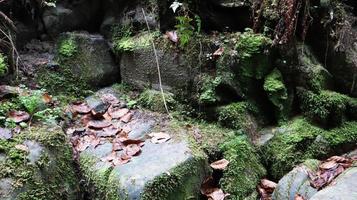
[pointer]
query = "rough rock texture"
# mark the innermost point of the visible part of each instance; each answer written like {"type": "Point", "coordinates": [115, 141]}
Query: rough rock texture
{"type": "Point", "coordinates": [138, 67]}
{"type": "Point", "coordinates": [40, 168]}
{"type": "Point", "coordinates": [296, 182]}
{"type": "Point", "coordinates": [345, 187]}
{"type": "Point", "coordinates": [171, 170]}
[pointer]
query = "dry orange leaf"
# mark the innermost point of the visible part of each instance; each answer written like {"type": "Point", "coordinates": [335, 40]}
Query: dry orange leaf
{"type": "Point", "coordinates": [81, 108]}
{"type": "Point", "coordinates": [117, 113]}
{"type": "Point", "coordinates": [19, 116]}
{"type": "Point", "coordinates": [299, 197]}
{"type": "Point", "coordinates": [220, 164]}
{"type": "Point", "coordinates": [132, 150]}
{"type": "Point", "coordinates": [159, 137]}
{"type": "Point", "coordinates": [126, 118]}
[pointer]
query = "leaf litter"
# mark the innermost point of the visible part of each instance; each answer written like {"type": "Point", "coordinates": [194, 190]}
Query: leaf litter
{"type": "Point", "coordinates": [92, 127]}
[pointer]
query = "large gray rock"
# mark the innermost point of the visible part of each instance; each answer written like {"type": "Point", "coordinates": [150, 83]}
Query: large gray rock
{"type": "Point", "coordinates": [170, 170]}
{"type": "Point", "coordinates": [296, 182]}
{"type": "Point", "coordinates": [138, 66]}
{"type": "Point", "coordinates": [92, 60]}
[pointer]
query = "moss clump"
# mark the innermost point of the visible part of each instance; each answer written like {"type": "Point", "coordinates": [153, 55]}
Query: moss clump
{"type": "Point", "coordinates": [253, 54]}
{"type": "Point", "coordinates": [68, 47]}
{"type": "Point", "coordinates": [50, 177]}
{"type": "Point", "coordinates": [3, 65]}
{"type": "Point", "coordinates": [236, 115]}
{"type": "Point", "coordinates": [326, 108]}
{"type": "Point", "coordinates": [208, 85]}
{"type": "Point", "coordinates": [299, 140]}
{"type": "Point", "coordinates": [128, 43]}
{"type": "Point", "coordinates": [183, 182]}
{"type": "Point", "coordinates": [278, 95]}
{"type": "Point", "coordinates": [153, 100]}
{"type": "Point", "coordinates": [244, 170]}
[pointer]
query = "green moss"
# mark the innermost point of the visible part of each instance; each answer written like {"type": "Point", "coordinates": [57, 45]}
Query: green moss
{"type": "Point", "coordinates": [244, 170]}
{"type": "Point", "coordinates": [51, 177]}
{"type": "Point", "coordinates": [127, 43]}
{"type": "Point", "coordinates": [97, 179]}
{"type": "Point", "coordinates": [153, 100]}
{"type": "Point", "coordinates": [68, 47]}
{"type": "Point", "coordinates": [299, 140]}
{"type": "Point", "coordinates": [183, 182]}
{"type": "Point", "coordinates": [236, 115]}
{"type": "Point", "coordinates": [33, 101]}
{"type": "Point", "coordinates": [252, 53]}
{"type": "Point", "coordinates": [3, 65]}
{"type": "Point", "coordinates": [327, 107]}
{"type": "Point", "coordinates": [277, 92]}
{"type": "Point", "coordinates": [208, 85]}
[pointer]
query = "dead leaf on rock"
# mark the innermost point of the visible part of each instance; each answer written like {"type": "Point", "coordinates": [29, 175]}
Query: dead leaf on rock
{"type": "Point", "coordinates": [22, 147]}
{"type": "Point", "coordinates": [9, 90]}
{"type": "Point", "coordinates": [219, 52]}
{"type": "Point", "coordinates": [159, 137]}
{"type": "Point", "coordinates": [81, 108]}
{"type": "Point", "coordinates": [217, 194]}
{"type": "Point", "coordinates": [82, 146]}
{"type": "Point", "coordinates": [5, 133]}
{"type": "Point", "coordinates": [220, 164]}
{"type": "Point", "coordinates": [127, 117]}
{"type": "Point", "coordinates": [108, 132]}
{"type": "Point", "coordinates": [299, 197]}
{"type": "Point", "coordinates": [172, 35]}
{"type": "Point", "coordinates": [132, 150]}
{"type": "Point", "coordinates": [268, 185]}
{"type": "Point", "coordinates": [112, 156]}
{"type": "Point", "coordinates": [19, 116]}
{"type": "Point", "coordinates": [46, 98]}
{"type": "Point", "coordinates": [99, 124]}
{"type": "Point", "coordinates": [109, 99]}
{"type": "Point", "coordinates": [117, 113]}
{"type": "Point", "coordinates": [329, 165]}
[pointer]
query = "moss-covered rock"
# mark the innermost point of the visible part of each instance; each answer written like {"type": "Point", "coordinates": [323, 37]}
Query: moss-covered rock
{"type": "Point", "coordinates": [85, 62]}
{"type": "Point", "coordinates": [300, 140]}
{"type": "Point", "coordinates": [38, 165]}
{"type": "Point", "coordinates": [278, 95]}
{"type": "Point", "coordinates": [327, 107]}
{"type": "Point", "coordinates": [244, 170]}
{"type": "Point", "coordinates": [237, 116]}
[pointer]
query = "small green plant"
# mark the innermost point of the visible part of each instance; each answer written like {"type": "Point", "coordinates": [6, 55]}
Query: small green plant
{"type": "Point", "coordinates": [3, 65]}
{"type": "Point", "coordinates": [48, 115]}
{"type": "Point", "coordinates": [33, 101]}
{"type": "Point", "coordinates": [208, 89]}
{"type": "Point", "coordinates": [185, 29]}
{"type": "Point", "coordinates": [68, 48]}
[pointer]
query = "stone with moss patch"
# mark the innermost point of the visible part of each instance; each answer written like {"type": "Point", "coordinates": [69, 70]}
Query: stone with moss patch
{"type": "Point", "coordinates": [85, 63]}
{"type": "Point", "coordinates": [153, 100]}
{"type": "Point", "coordinates": [327, 107]}
{"type": "Point", "coordinates": [244, 170]}
{"type": "Point", "coordinates": [44, 171]}
{"type": "Point", "coordinates": [300, 140]}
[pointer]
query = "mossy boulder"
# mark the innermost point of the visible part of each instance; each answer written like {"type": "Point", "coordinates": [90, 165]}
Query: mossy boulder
{"type": "Point", "coordinates": [278, 94]}
{"type": "Point", "coordinates": [37, 164]}
{"type": "Point", "coordinates": [138, 66]}
{"type": "Point", "coordinates": [85, 62]}
{"type": "Point", "coordinates": [327, 108]}
{"type": "Point", "coordinates": [299, 140]}
{"type": "Point", "coordinates": [244, 170]}
{"type": "Point", "coordinates": [238, 116]}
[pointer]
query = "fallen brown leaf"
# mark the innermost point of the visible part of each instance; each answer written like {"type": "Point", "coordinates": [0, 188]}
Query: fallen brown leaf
{"type": "Point", "coordinates": [159, 137]}
{"type": "Point", "coordinates": [98, 124]}
{"type": "Point", "coordinates": [22, 147]}
{"type": "Point", "coordinates": [172, 35]}
{"type": "Point", "coordinates": [219, 52]}
{"type": "Point", "coordinates": [117, 113]}
{"type": "Point", "coordinates": [220, 164]}
{"type": "Point", "coordinates": [126, 118]}
{"type": "Point", "coordinates": [217, 194]}
{"type": "Point", "coordinates": [268, 185]}
{"type": "Point", "coordinates": [109, 99]}
{"type": "Point", "coordinates": [132, 150]}
{"type": "Point", "coordinates": [19, 116]}
{"type": "Point", "coordinates": [46, 98]}
{"type": "Point", "coordinates": [81, 108]}
{"type": "Point", "coordinates": [329, 165]}
{"type": "Point", "coordinates": [299, 197]}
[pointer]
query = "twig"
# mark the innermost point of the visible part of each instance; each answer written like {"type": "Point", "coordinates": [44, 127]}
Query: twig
{"type": "Point", "coordinates": [157, 65]}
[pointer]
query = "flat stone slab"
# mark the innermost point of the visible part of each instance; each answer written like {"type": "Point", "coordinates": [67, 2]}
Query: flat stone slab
{"type": "Point", "coordinates": [174, 161]}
